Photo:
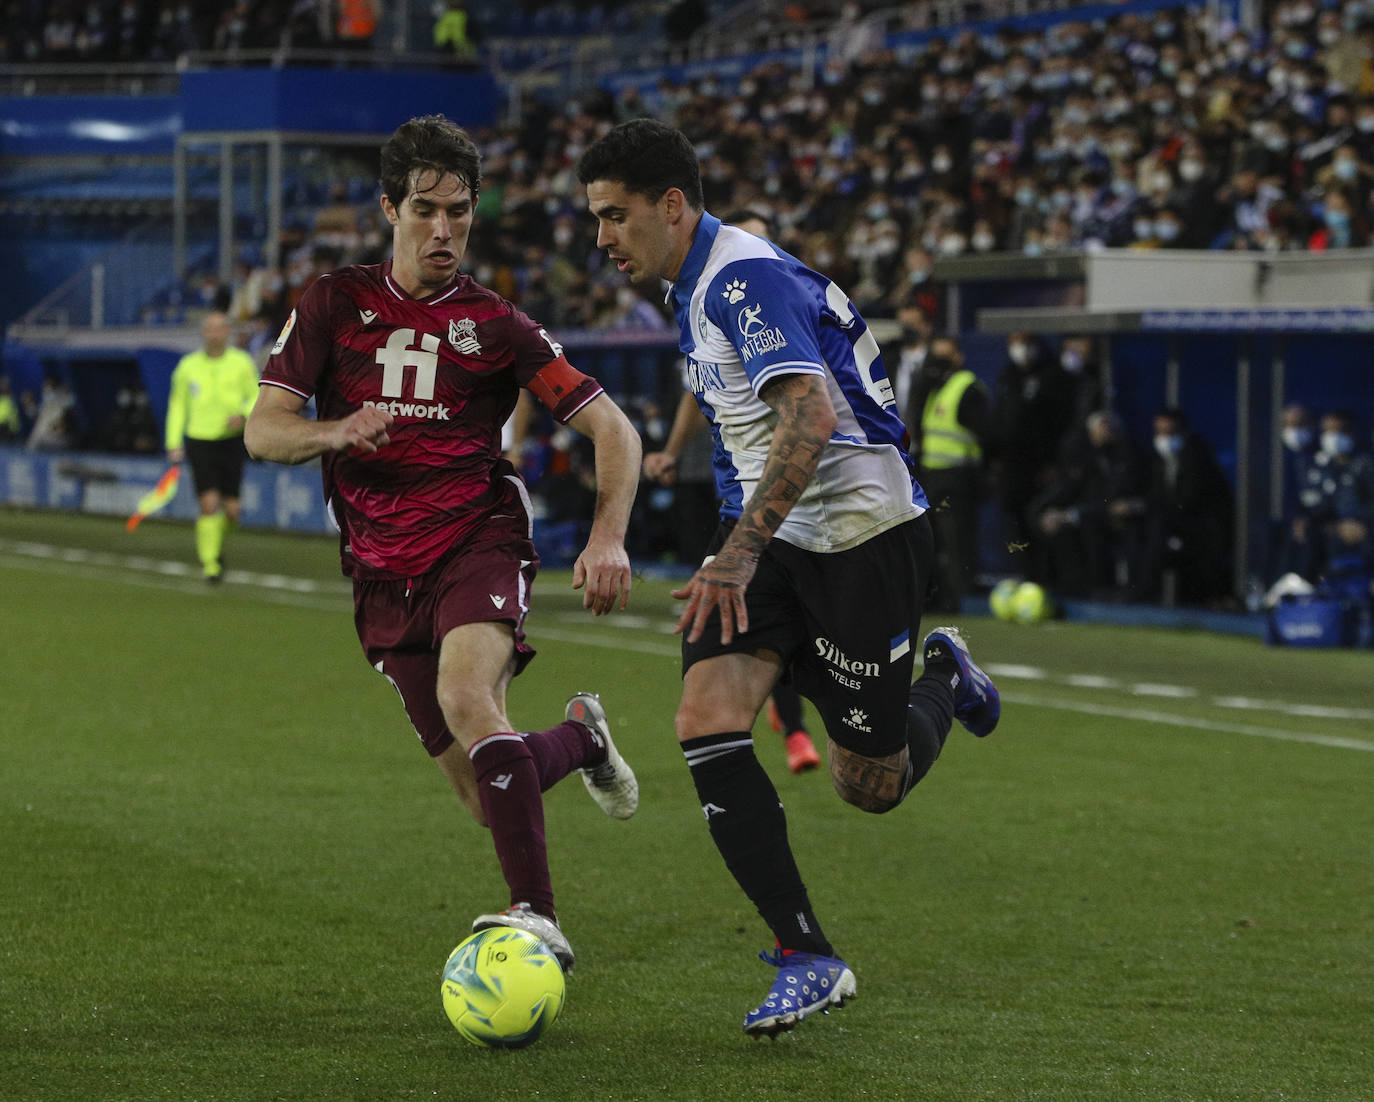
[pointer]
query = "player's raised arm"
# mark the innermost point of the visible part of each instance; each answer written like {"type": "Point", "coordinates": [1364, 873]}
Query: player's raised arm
{"type": "Point", "coordinates": [276, 431]}
{"type": "Point", "coordinates": [603, 568]}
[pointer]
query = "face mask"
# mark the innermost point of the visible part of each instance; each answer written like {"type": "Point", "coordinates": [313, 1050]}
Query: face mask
{"type": "Point", "coordinates": [1365, 124]}
{"type": "Point", "coordinates": [1019, 353]}
{"type": "Point", "coordinates": [983, 242]}
{"type": "Point", "coordinates": [1072, 361]}
{"type": "Point", "coordinates": [1190, 170]}
{"type": "Point", "coordinates": [1296, 439]}
{"type": "Point", "coordinates": [1169, 445]}
{"type": "Point", "coordinates": [1144, 228]}
{"type": "Point", "coordinates": [1025, 196]}
{"type": "Point", "coordinates": [941, 163]}
{"type": "Point", "coordinates": [1337, 443]}
{"type": "Point", "coordinates": [939, 366]}
{"type": "Point", "coordinates": [1344, 169]}
{"type": "Point", "coordinates": [1168, 231]}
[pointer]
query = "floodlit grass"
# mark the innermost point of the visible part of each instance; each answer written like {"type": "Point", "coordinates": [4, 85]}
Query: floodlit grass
{"type": "Point", "coordinates": [228, 873]}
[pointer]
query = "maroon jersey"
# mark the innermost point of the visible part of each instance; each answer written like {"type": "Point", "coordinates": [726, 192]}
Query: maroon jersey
{"type": "Point", "coordinates": [448, 368]}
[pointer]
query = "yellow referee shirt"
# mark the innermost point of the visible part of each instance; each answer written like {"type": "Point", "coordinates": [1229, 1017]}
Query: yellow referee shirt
{"type": "Point", "coordinates": [206, 392]}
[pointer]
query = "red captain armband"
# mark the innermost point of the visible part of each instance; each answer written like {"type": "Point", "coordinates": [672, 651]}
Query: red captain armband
{"type": "Point", "coordinates": [562, 389]}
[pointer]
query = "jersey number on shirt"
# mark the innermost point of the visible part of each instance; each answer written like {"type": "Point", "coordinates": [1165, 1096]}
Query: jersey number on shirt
{"type": "Point", "coordinates": [398, 355]}
{"type": "Point", "coordinates": [865, 349]}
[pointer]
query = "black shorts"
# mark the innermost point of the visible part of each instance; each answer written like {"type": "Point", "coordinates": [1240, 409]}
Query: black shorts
{"type": "Point", "coordinates": [216, 464]}
{"type": "Point", "coordinates": [846, 625]}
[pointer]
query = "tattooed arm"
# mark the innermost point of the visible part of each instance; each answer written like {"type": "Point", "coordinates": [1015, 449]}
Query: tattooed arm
{"type": "Point", "coordinates": [805, 421]}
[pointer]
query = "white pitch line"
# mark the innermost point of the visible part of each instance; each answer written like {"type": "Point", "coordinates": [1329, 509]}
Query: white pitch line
{"type": "Point", "coordinates": [308, 593]}
{"type": "Point", "coordinates": [1311, 711]}
{"type": "Point", "coordinates": [1149, 715]}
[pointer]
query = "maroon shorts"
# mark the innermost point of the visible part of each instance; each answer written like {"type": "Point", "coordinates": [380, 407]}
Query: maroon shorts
{"type": "Point", "coordinates": [401, 624]}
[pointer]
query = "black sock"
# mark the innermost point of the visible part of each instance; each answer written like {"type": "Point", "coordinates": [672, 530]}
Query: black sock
{"type": "Point", "coordinates": [929, 713]}
{"type": "Point", "coordinates": [750, 829]}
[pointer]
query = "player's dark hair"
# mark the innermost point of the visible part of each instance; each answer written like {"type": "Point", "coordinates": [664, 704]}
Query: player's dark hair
{"type": "Point", "coordinates": [646, 157]}
{"type": "Point", "coordinates": [430, 143]}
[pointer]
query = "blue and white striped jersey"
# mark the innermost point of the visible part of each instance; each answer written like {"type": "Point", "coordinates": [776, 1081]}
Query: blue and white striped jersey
{"type": "Point", "coordinates": [749, 313]}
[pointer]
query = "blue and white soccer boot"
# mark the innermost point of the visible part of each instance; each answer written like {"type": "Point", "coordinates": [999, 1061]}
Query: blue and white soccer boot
{"type": "Point", "coordinates": [805, 983]}
{"type": "Point", "coordinates": [977, 703]}
{"type": "Point", "coordinates": [612, 784]}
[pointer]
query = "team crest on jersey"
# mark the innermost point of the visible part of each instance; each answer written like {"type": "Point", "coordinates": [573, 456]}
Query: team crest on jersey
{"type": "Point", "coordinates": [462, 335]}
{"type": "Point", "coordinates": [734, 291]}
{"type": "Point", "coordinates": [285, 332]}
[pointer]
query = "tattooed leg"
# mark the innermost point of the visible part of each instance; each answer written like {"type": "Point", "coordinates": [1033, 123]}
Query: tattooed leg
{"type": "Point", "coordinates": [875, 785]}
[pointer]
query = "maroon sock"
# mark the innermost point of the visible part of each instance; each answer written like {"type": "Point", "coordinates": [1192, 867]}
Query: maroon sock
{"type": "Point", "coordinates": [508, 786]}
{"type": "Point", "coordinates": [560, 750]}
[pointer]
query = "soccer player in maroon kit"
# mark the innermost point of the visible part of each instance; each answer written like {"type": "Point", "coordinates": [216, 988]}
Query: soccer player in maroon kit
{"type": "Point", "coordinates": [414, 368]}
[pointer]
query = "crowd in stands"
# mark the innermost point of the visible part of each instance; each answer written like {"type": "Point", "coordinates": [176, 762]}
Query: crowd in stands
{"type": "Point", "coordinates": [74, 31]}
{"type": "Point", "coordinates": [1148, 131]}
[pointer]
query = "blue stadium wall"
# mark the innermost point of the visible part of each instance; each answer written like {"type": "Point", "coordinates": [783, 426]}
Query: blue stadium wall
{"type": "Point", "coordinates": [318, 101]}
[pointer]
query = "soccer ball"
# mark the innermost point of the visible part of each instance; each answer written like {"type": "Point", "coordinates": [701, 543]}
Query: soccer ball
{"type": "Point", "coordinates": [1030, 603]}
{"type": "Point", "coordinates": [999, 600]}
{"type": "Point", "coordinates": [502, 988]}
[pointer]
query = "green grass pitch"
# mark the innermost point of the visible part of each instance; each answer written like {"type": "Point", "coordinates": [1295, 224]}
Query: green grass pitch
{"type": "Point", "coordinates": [227, 871]}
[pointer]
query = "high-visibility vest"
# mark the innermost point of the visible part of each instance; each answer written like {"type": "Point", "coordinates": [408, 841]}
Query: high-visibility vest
{"type": "Point", "coordinates": [944, 441]}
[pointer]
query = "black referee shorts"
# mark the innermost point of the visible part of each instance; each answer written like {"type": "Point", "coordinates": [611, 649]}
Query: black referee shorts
{"type": "Point", "coordinates": [216, 464]}
{"type": "Point", "coordinates": [846, 624]}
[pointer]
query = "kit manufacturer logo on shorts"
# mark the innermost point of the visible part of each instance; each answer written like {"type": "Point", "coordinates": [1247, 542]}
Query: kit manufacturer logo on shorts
{"type": "Point", "coordinates": [849, 672]}
{"type": "Point", "coordinates": [462, 335]}
{"type": "Point", "coordinates": [858, 719]}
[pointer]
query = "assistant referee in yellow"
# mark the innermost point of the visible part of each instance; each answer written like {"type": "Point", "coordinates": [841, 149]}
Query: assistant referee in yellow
{"type": "Point", "coordinates": [213, 391]}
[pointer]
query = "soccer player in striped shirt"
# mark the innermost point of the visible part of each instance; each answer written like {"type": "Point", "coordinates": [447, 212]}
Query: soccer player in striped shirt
{"type": "Point", "coordinates": [821, 562]}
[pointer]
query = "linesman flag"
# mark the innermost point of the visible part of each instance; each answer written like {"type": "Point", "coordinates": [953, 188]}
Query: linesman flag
{"type": "Point", "coordinates": [157, 497]}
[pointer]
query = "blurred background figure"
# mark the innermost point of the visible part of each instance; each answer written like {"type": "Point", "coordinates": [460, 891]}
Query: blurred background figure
{"type": "Point", "coordinates": [948, 420]}
{"type": "Point", "coordinates": [1331, 532]}
{"type": "Point", "coordinates": [456, 33]}
{"type": "Point", "coordinates": [54, 421]}
{"type": "Point", "coordinates": [1033, 413]}
{"type": "Point", "coordinates": [11, 427]}
{"type": "Point", "coordinates": [1088, 520]}
{"type": "Point", "coordinates": [213, 391]}
{"type": "Point", "coordinates": [131, 426]}
{"type": "Point", "coordinates": [1188, 520]}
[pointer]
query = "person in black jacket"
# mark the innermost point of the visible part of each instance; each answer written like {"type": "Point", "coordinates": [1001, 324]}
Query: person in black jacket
{"type": "Point", "coordinates": [1087, 522]}
{"type": "Point", "coordinates": [1189, 518]}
